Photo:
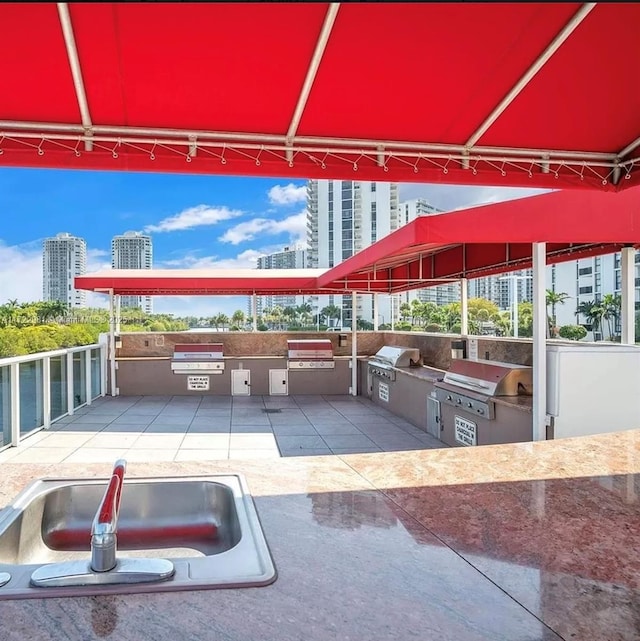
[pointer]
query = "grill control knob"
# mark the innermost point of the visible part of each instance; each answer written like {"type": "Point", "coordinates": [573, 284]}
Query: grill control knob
{"type": "Point", "coordinates": [459, 401]}
{"type": "Point", "coordinates": [469, 404]}
{"type": "Point", "coordinates": [480, 410]}
{"type": "Point", "coordinates": [449, 397]}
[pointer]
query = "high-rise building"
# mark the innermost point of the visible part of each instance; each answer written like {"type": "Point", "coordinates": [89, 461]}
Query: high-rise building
{"type": "Point", "coordinates": [501, 289]}
{"type": "Point", "coordinates": [133, 250]}
{"type": "Point", "coordinates": [589, 280]}
{"type": "Point", "coordinates": [288, 258]}
{"type": "Point", "coordinates": [63, 258]}
{"type": "Point", "coordinates": [344, 217]}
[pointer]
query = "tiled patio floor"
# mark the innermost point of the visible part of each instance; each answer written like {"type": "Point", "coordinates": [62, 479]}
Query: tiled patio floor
{"type": "Point", "coordinates": [190, 428]}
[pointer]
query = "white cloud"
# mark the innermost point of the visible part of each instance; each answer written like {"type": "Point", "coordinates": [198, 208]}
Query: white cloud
{"type": "Point", "coordinates": [295, 226]}
{"type": "Point", "coordinates": [199, 216]}
{"type": "Point", "coordinates": [244, 260]}
{"type": "Point", "coordinates": [452, 197]}
{"type": "Point", "coordinates": [20, 272]}
{"type": "Point", "coordinates": [287, 194]}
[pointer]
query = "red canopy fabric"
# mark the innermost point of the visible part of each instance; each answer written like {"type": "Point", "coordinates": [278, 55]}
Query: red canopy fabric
{"type": "Point", "coordinates": [492, 239]}
{"type": "Point", "coordinates": [470, 243]}
{"type": "Point", "coordinates": [528, 94]}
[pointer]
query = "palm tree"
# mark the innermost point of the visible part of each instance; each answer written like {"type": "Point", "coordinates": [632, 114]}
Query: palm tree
{"type": "Point", "coordinates": [553, 299]}
{"type": "Point", "coordinates": [238, 318]}
{"type": "Point", "coordinates": [330, 312]}
{"type": "Point", "coordinates": [593, 313]}
{"type": "Point", "coordinates": [611, 306]}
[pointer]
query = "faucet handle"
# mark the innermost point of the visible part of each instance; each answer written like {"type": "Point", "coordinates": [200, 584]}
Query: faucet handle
{"type": "Point", "coordinates": [110, 505]}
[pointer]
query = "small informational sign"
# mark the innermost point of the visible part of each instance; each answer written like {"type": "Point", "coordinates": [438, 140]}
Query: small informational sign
{"type": "Point", "coordinates": [198, 383]}
{"type": "Point", "coordinates": [465, 431]}
{"type": "Point", "coordinates": [383, 392]}
{"type": "Point", "coordinates": [473, 349]}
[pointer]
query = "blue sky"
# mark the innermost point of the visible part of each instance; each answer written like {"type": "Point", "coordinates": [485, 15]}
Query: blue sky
{"type": "Point", "coordinates": [195, 221]}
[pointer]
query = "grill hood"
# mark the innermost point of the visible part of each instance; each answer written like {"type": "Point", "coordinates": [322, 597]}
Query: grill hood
{"type": "Point", "coordinates": [491, 378]}
{"type": "Point", "coordinates": [392, 356]}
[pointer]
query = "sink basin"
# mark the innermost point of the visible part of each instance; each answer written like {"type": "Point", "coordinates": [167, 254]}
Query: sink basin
{"type": "Point", "coordinates": [207, 526]}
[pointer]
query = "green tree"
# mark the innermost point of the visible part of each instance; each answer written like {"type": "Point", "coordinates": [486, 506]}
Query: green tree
{"type": "Point", "coordinates": [572, 332]}
{"type": "Point", "coordinates": [593, 313]}
{"type": "Point", "coordinates": [553, 299]}
{"type": "Point", "coordinates": [238, 318]}
{"type": "Point", "coordinates": [611, 307]}
{"type": "Point", "coordinates": [330, 312]}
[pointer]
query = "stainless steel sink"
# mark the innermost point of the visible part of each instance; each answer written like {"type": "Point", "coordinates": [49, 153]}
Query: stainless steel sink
{"type": "Point", "coordinates": [207, 526]}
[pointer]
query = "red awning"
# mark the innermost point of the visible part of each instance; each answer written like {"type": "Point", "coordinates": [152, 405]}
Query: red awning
{"type": "Point", "coordinates": [492, 239]}
{"type": "Point", "coordinates": [202, 282]}
{"type": "Point", "coordinates": [529, 94]}
{"type": "Point", "coordinates": [470, 243]}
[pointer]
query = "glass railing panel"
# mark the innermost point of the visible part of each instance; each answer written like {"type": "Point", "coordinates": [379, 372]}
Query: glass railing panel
{"type": "Point", "coordinates": [79, 379]}
{"type": "Point", "coordinates": [96, 372]}
{"type": "Point", "coordinates": [31, 396]}
{"type": "Point", "coordinates": [58, 387]}
{"type": "Point", "coordinates": [5, 405]}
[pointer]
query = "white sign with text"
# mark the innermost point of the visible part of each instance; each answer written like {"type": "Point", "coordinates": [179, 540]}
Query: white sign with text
{"type": "Point", "coordinates": [198, 383]}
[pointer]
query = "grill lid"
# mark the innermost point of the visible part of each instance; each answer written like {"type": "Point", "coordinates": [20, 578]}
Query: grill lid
{"type": "Point", "coordinates": [198, 352]}
{"type": "Point", "coordinates": [492, 378]}
{"type": "Point", "coordinates": [393, 356]}
{"type": "Point", "coordinates": [311, 349]}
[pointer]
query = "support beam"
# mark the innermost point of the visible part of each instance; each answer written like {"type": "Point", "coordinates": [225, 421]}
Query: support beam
{"type": "Point", "coordinates": [254, 311]}
{"type": "Point", "coordinates": [539, 343]}
{"type": "Point", "coordinates": [629, 148]}
{"type": "Point", "coordinates": [118, 301]}
{"type": "Point", "coordinates": [556, 43]}
{"type": "Point", "coordinates": [464, 306]}
{"type": "Point", "coordinates": [376, 306]}
{"type": "Point", "coordinates": [514, 302]}
{"type": "Point", "coordinates": [354, 345]}
{"type": "Point", "coordinates": [76, 72]}
{"type": "Point", "coordinates": [112, 344]}
{"type": "Point", "coordinates": [628, 268]}
{"type": "Point", "coordinates": [325, 32]}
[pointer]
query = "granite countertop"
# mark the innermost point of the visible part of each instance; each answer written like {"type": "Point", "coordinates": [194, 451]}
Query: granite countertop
{"type": "Point", "coordinates": [526, 541]}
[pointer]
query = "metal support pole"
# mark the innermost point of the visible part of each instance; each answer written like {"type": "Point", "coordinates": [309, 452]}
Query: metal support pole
{"type": "Point", "coordinates": [375, 312]}
{"type": "Point", "coordinates": [14, 369]}
{"type": "Point", "coordinates": [627, 264]}
{"type": "Point", "coordinates": [354, 346]}
{"type": "Point", "coordinates": [46, 392]}
{"type": "Point", "coordinates": [112, 345]}
{"type": "Point", "coordinates": [514, 302]}
{"type": "Point", "coordinates": [539, 251]}
{"type": "Point", "coordinates": [118, 299]}
{"type": "Point", "coordinates": [70, 395]}
{"type": "Point", "coordinates": [393, 316]}
{"type": "Point", "coordinates": [254, 311]}
{"type": "Point", "coordinates": [87, 375]}
{"type": "Point", "coordinates": [464, 306]}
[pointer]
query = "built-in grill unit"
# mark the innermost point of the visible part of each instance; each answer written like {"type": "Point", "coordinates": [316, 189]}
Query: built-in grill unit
{"type": "Point", "coordinates": [387, 358]}
{"type": "Point", "coordinates": [470, 387]}
{"type": "Point", "coordinates": [198, 358]}
{"type": "Point", "coordinates": [310, 354]}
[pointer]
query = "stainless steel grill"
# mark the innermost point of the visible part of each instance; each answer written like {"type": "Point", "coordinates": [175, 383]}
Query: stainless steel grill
{"type": "Point", "coordinates": [387, 358]}
{"type": "Point", "coordinates": [198, 358]}
{"type": "Point", "coordinates": [469, 386]}
{"type": "Point", "coordinates": [310, 354]}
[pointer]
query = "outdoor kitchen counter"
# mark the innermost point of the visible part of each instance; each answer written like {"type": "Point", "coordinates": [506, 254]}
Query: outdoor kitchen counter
{"type": "Point", "coordinates": [524, 403]}
{"type": "Point", "coordinates": [464, 544]}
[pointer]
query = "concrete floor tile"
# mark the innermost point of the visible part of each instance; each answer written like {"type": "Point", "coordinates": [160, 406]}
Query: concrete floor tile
{"type": "Point", "coordinates": [251, 429]}
{"type": "Point", "coordinates": [320, 451]}
{"type": "Point", "coordinates": [242, 453]}
{"type": "Point", "coordinates": [201, 455]}
{"type": "Point", "coordinates": [42, 455]}
{"type": "Point", "coordinates": [300, 442]}
{"type": "Point", "coordinates": [295, 430]}
{"type": "Point", "coordinates": [252, 441]}
{"type": "Point", "coordinates": [65, 439]}
{"type": "Point", "coordinates": [158, 441]}
{"type": "Point", "coordinates": [347, 440]}
{"type": "Point", "coordinates": [209, 428]}
{"type": "Point", "coordinates": [95, 455]}
{"type": "Point", "coordinates": [340, 428]}
{"type": "Point", "coordinates": [112, 440]}
{"type": "Point", "coordinates": [206, 441]}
